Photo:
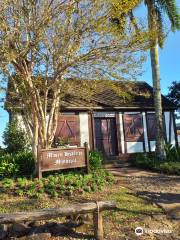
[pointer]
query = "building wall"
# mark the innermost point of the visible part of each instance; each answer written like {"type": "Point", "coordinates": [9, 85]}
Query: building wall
{"type": "Point", "coordinates": [84, 128]}
{"type": "Point", "coordinates": [125, 146]}
{"type": "Point", "coordinates": [21, 122]}
{"type": "Point", "coordinates": [170, 128]}
{"type": "Point", "coordinates": [19, 118]}
{"type": "Point", "coordinates": [132, 146]}
{"type": "Point", "coordinates": [145, 145]}
{"type": "Point", "coordinates": [178, 136]}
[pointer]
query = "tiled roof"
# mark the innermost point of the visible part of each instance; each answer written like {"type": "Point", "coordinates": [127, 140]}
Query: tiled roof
{"type": "Point", "coordinates": [141, 96]}
{"type": "Point", "coordinates": [107, 95]}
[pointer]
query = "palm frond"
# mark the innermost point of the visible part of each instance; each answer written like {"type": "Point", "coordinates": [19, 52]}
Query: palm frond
{"type": "Point", "coordinates": [160, 21]}
{"type": "Point", "coordinates": [171, 9]}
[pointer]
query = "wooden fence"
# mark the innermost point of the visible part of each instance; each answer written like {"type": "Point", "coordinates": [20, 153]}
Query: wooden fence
{"type": "Point", "coordinates": [95, 208]}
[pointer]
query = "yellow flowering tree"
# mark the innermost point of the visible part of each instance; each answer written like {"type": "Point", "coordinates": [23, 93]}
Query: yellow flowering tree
{"type": "Point", "coordinates": [44, 43]}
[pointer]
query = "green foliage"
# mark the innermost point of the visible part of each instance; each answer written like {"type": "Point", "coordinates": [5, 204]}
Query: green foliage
{"type": "Point", "coordinates": [12, 165]}
{"type": "Point", "coordinates": [8, 166]}
{"type": "Point", "coordinates": [59, 142]}
{"type": "Point", "coordinates": [174, 95]}
{"type": "Point", "coordinates": [2, 151]}
{"type": "Point", "coordinates": [8, 183]}
{"type": "Point", "coordinates": [25, 163]}
{"type": "Point", "coordinates": [57, 185]}
{"type": "Point", "coordinates": [144, 160]}
{"type": "Point", "coordinates": [95, 160]}
{"type": "Point", "coordinates": [172, 153]}
{"type": "Point", "coordinates": [15, 138]}
{"type": "Point", "coordinates": [171, 165]}
{"type": "Point", "coordinates": [81, 32]}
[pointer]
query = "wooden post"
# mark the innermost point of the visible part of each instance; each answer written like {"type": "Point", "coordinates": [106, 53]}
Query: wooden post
{"type": "Point", "coordinates": [98, 224]}
{"type": "Point", "coordinates": [118, 134]}
{"type": "Point", "coordinates": [93, 130]}
{"type": "Point", "coordinates": [39, 172]}
{"type": "Point", "coordinates": [87, 156]}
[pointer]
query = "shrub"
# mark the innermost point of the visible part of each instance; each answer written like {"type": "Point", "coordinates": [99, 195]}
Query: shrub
{"type": "Point", "coordinates": [170, 167]}
{"type": "Point", "coordinates": [149, 161]}
{"type": "Point", "coordinates": [57, 185]}
{"type": "Point", "coordinates": [144, 160]}
{"type": "Point", "coordinates": [8, 167]}
{"type": "Point", "coordinates": [15, 138]}
{"type": "Point", "coordinates": [95, 160]}
{"type": "Point", "coordinates": [25, 163]}
{"type": "Point", "coordinates": [172, 153]}
{"type": "Point", "coordinates": [12, 165]}
{"type": "Point", "coordinates": [8, 183]}
{"type": "Point", "coordinates": [2, 151]}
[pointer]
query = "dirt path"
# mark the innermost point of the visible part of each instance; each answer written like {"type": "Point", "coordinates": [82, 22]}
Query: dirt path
{"type": "Point", "coordinates": [161, 189]}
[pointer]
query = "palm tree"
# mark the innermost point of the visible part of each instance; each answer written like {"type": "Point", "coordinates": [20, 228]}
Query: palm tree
{"type": "Point", "coordinates": [157, 9]}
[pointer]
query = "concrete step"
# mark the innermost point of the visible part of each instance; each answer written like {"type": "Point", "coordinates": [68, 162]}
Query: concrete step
{"type": "Point", "coordinates": [121, 157]}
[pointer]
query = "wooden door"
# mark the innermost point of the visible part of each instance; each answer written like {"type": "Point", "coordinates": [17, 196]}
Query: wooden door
{"type": "Point", "coordinates": [105, 134]}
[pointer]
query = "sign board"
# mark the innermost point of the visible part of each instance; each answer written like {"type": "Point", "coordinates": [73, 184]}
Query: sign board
{"type": "Point", "coordinates": [62, 158]}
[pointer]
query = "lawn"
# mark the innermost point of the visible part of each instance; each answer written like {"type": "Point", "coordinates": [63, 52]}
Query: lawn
{"type": "Point", "coordinates": [132, 210]}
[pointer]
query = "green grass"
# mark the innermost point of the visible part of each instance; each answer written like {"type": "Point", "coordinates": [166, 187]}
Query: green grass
{"type": "Point", "coordinates": [133, 206]}
{"type": "Point", "coordinates": [131, 212]}
{"type": "Point", "coordinates": [129, 204]}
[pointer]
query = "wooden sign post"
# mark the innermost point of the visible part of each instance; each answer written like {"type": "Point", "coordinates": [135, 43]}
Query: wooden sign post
{"type": "Point", "coordinates": [63, 158]}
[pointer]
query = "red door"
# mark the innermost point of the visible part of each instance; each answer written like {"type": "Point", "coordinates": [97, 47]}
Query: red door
{"type": "Point", "coordinates": [106, 139]}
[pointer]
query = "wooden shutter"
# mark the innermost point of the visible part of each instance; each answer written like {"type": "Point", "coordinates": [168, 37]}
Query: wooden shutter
{"type": "Point", "coordinates": [68, 128]}
{"type": "Point", "coordinates": [151, 126]}
{"type": "Point", "coordinates": [133, 127]}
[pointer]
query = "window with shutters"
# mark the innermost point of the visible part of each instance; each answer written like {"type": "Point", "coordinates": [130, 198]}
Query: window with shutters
{"type": "Point", "coordinates": [151, 126]}
{"type": "Point", "coordinates": [68, 129]}
{"type": "Point", "coordinates": [133, 127]}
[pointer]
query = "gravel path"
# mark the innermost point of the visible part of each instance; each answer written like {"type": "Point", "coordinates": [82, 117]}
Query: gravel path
{"type": "Point", "coordinates": [161, 189]}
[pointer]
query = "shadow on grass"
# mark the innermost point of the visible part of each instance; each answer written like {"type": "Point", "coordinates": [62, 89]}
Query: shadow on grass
{"type": "Point", "coordinates": [137, 212]}
{"type": "Point", "coordinates": [160, 179]}
{"type": "Point", "coordinates": [166, 198]}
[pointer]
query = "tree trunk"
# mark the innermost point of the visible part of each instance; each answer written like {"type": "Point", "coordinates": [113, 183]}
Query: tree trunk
{"type": "Point", "coordinates": [35, 138]}
{"type": "Point", "coordinates": [160, 152]}
{"type": "Point", "coordinates": [157, 102]}
{"type": "Point", "coordinates": [35, 142]}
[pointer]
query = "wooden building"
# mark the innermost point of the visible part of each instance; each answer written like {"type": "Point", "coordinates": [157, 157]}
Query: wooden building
{"type": "Point", "coordinates": [114, 124]}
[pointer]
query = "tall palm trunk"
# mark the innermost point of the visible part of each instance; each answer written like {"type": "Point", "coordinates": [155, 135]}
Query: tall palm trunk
{"type": "Point", "coordinates": [152, 19]}
{"type": "Point", "coordinates": [157, 102]}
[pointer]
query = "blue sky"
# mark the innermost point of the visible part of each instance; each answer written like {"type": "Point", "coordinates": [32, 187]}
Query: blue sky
{"type": "Point", "coordinates": [169, 63]}
{"type": "Point", "coordinates": [169, 67]}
